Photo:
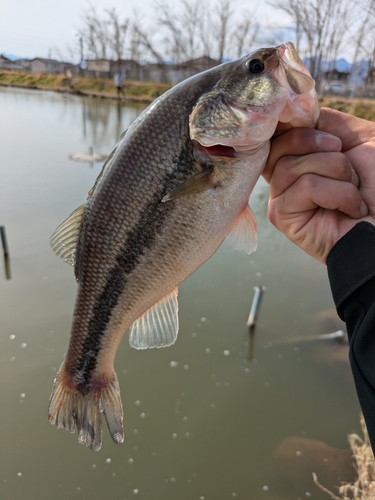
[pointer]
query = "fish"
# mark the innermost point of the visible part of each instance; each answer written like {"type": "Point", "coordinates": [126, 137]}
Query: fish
{"type": "Point", "coordinates": [174, 188]}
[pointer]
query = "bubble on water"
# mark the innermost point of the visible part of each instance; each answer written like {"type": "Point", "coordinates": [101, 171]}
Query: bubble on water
{"type": "Point", "coordinates": [12, 337]}
{"type": "Point", "coordinates": [203, 319]}
{"type": "Point", "coordinates": [226, 352]}
{"type": "Point", "coordinates": [142, 415]}
{"type": "Point", "coordinates": [22, 395]}
{"type": "Point", "coordinates": [13, 358]}
{"type": "Point", "coordinates": [24, 345]}
{"type": "Point", "coordinates": [194, 335]}
{"type": "Point", "coordinates": [130, 461]}
{"type": "Point", "coordinates": [265, 488]}
{"type": "Point", "coordinates": [136, 491]}
{"type": "Point", "coordinates": [185, 419]}
{"type": "Point", "coordinates": [173, 364]}
{"type": "Point", "coordinates": [186, 367]}
{"type": "Point", "coordinates": [135, 431]}
{"type": "Point", "coordinates": [212, 407]}
{"type": "Point", "coordinates": [280, 356]}
{"type": "Point", "coordinates": [258, 274]}
{"type": "Point", "coordinates": [202, 498]}
{"type": "Point", "coordinates": [172, 480]}
{"type": "Point", "coordinates": [208, 350]}
{"type": "Point", "coordinates": [113, 474]}
{"type": "Point", "coordinates": [174, 435]}
{"type": "Point", "coordinates": [124, 372]}
{"type": "Point", "coordinates": [247, 370]}
{"type": "Point", "coordinates": [308, 494]}
{"type": "Point", "coordinates": [298, 453]}
{"type": "Point", "coordinates": [19, 474]}
{"type": "Point", "coordinates": [137, 403]}
{"type": "Point", "coordinates": [187, 434]}
{"type": "Point", "coordinates": [108, 461]}
{"type": "Point", "coordinates": [93, 466]}
{"type": "Point", "coordinates": [234, 495]}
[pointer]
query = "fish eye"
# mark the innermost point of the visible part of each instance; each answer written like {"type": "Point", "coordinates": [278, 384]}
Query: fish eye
{"type": "Point", "coordinates": [255, 66]}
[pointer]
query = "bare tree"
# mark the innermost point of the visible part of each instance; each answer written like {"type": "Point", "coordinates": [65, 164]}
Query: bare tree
{"type": "Point", "coordinates": [102, 37]}
{"type": "Point", "coordinates": [245, 34]}
{"type": "Point", "coordinates": [321, 27]}
{"type": "Point", "coordinates": [118, 33]}
{"type": "Point", "coordinates": [221, 26]}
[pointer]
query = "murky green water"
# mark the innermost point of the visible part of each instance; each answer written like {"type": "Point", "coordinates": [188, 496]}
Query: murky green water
{"type": "Point", "coordinates": [202, 422]}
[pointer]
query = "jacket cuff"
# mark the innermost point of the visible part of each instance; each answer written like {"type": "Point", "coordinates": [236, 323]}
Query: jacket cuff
{"type": "Point", "coordinates": [351, 262]}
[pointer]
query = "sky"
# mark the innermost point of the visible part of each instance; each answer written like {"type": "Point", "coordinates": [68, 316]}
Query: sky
{"type": "Point", "coordinates": [43, 28]}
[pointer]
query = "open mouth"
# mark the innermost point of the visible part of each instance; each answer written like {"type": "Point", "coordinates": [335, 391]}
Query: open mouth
{"type": "Point", "coordinates": [220, 150]}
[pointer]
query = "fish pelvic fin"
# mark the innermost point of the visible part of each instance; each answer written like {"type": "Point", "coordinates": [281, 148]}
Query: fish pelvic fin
{"type": "Point", "coordinates": [158, 326]}
{"type": "Point", "coordinates": [64, 240]}
{"type": "Point", "coordinates": [70, 409]}
{"type": "Point", "coordinates": [243, 235]}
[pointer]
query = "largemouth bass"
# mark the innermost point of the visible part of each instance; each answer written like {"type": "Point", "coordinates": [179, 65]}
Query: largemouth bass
{"type": "Point", "coordinates": [177, 184]}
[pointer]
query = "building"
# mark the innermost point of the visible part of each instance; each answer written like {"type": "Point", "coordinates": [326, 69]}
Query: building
{"type": "Point", "coordinates": [127, 68]}
{"type": "Point", "coordinates": [6, 63]}
{"type": "Point", "coordinates": [41, 65]}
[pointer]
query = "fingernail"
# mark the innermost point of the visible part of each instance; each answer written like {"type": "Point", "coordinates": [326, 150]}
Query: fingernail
{"type": "Point", "coordinates": [363, 210]}
{"type": "Point", "coordinates": [327, 142]}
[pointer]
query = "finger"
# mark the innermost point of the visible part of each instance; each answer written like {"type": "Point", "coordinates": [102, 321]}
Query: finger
{"type": "Point", "coordinates": [290, 168]}
{"type": "Point", "coordinates": [311, 192]}
{"type": "Point", "coordinates": [299, 141]}
{"type": "Point", "coordinates": [351, 130]}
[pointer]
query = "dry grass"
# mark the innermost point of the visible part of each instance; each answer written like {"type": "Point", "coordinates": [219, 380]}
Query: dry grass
{"type": "Point", "coordinates": [363, 108]}
{"type": "Point", "coordinates": [96, 87]}
{"type": "Point", "coordinates": [364, 487]}
{"type": "Point", "coordinates": [146, 91]}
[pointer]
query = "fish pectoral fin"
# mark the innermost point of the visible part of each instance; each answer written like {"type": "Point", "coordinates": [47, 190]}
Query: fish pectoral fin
{"type": "Point", "coordinates": [243, 235]}
{"type": "Point", "coordinates": [64, 240]}
{"type": "Point", "coordinates": [195, 184]}
{"type": "Point", "coordinates": [158, 326]}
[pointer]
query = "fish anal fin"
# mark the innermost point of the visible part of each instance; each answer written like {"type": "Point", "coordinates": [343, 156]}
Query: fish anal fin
{"type": "Point", "coordinates": [64, 240]}
{"type": "Point", "coordinates": [195, 184]}
{"type": "Point", "coordinates": [70, 409]}
{"type": "Point", "coordinates": [243, 235]}
{"type": "Point", "coordinates": [158, 326]}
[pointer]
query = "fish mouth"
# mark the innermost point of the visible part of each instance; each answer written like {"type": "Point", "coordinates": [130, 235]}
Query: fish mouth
{"type": "Point", "coordinates": [219, 150]}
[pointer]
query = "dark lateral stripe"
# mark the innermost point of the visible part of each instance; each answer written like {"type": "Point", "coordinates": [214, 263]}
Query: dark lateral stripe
{"type": "Point", "coordinates": [138, 240]}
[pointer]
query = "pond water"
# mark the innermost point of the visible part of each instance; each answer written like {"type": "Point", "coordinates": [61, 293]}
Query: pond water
{"type": "Point", "coordinates": [202, 421]}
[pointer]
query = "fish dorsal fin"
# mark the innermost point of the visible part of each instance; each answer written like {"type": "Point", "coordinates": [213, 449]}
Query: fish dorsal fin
{"type": "Point", "coordinates": [64, 239]}
{"type": "Point", "coordinates": [158, 326]}
{"type": "Point", "coordinates": [244, 231]}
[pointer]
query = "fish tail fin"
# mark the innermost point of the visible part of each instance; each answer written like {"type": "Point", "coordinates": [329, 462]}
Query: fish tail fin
{"type": "Point", "coordinates": [70, 409]}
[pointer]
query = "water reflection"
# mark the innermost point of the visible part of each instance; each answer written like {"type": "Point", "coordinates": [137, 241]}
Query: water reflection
{"type": "Point", "coordinates": [201, 421]}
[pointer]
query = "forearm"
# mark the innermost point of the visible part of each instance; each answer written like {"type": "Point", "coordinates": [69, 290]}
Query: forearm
{"type": "Point", "coordinates": [351, 271]}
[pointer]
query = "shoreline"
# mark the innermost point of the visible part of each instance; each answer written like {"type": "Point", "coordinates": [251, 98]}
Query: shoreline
{"type": "Point", "coordinates": [100, 88]}
{"type": "Point", "coordinates": [145, 92]}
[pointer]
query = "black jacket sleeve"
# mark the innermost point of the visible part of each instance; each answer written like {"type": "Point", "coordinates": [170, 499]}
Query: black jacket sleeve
{"type": "Point", "coordinates": [351, 272]}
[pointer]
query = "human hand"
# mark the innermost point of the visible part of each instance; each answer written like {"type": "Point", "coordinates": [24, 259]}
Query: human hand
{"type": "Point", "coordinates": [322, 182]}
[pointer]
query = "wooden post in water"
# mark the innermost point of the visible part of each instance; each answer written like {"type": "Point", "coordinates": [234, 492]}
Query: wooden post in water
{"type": "Point", "coordinates": [4, 243]}
{"type": "Point", "coordinates": [252, 319]}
